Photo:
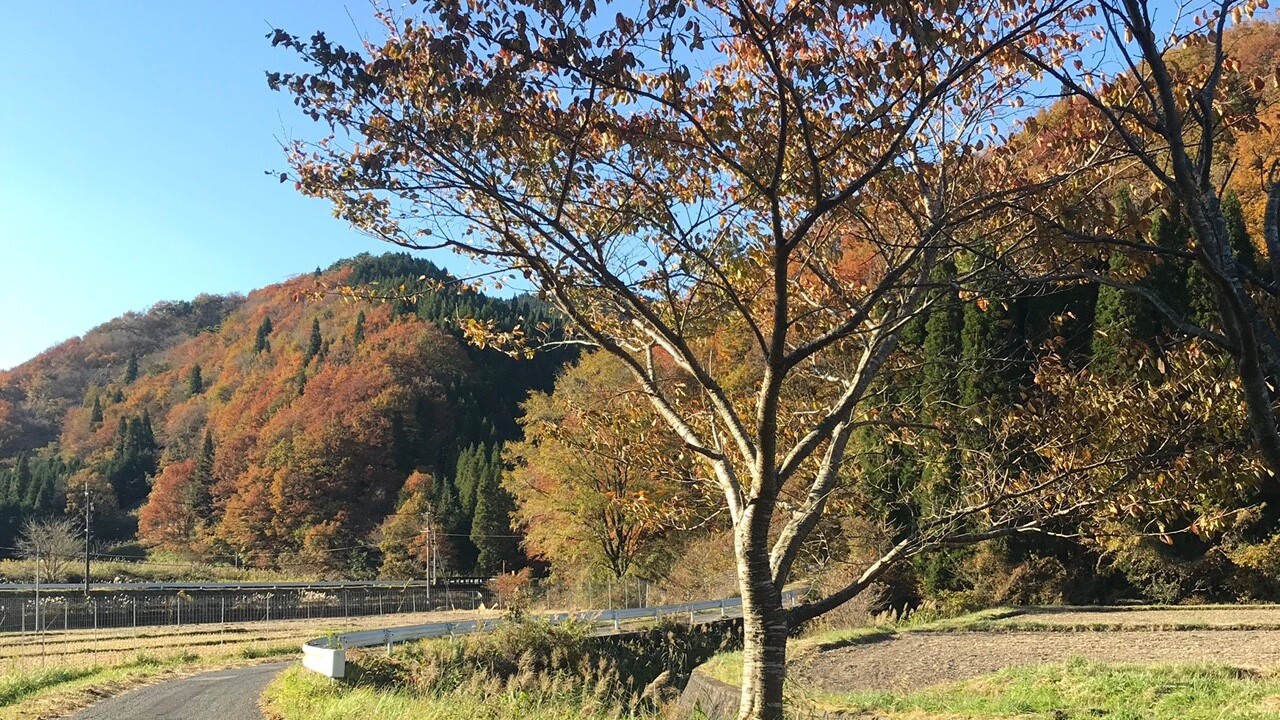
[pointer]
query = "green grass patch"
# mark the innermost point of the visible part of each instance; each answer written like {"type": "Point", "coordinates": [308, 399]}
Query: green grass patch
{"type": "Point", "coordinates": [298, 694]}
{"type": "Point", "coordinates": [1077, 690]}
{"type": "Point", "coordinates": [16, 688]}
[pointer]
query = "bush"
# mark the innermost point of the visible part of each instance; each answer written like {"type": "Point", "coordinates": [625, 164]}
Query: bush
{"type": "Point", "coordinates": [630, 673]}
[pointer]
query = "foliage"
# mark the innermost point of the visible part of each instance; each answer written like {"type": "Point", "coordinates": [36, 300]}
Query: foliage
{"type": "Point", "coordinates": [599, 487]}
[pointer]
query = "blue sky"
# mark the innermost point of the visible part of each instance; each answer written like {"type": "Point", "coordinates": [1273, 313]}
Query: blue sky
{"type": "Point", "coordinates": [133, 140]}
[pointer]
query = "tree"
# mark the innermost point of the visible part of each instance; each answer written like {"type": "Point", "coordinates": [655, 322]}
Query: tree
{"type": "Point", "coordinates": [598, 485]}
{"type": "Point", "coordinates": [171, 514]}
{"type": "Point", "coordinates": [53, 543]}
{"type": "Point", "coordinates": [491, 533]}
{"type": "Point", "coordinates": [261, 340]}
{"type": "Point", "coordinates": [315, 342]}
{"type": "Point", "coordinates": [786, 177]}
{"type": "Point", "coordinates": [95, 413]}
{"type": "Point", "coordinates": [1173, 107]}
{"type": "Point", "coordinates": [357, 335]}
{"type": "Point", "coordinates": [195, 381]}
{"type": "Point", "coordinates": [130, 369]}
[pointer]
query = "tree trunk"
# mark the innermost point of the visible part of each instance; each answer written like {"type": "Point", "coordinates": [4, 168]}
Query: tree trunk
{"type": "Point", "coordinates": [764, 637]}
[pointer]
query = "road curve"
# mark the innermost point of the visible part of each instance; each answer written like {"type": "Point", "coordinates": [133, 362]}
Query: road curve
{"type": "Point", "coordinates": [230, 694]}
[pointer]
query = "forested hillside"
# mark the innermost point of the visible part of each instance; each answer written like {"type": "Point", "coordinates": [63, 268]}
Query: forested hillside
{"type": "Point", "coordinates": [279, 428]}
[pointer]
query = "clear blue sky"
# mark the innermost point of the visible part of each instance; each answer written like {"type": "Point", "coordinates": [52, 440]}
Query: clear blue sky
{"type": "Point", "coordinates": [133, 140]}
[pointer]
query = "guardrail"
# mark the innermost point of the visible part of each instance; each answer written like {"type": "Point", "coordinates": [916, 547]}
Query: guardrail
{"type": "Point", "coordinates": [328, 655]}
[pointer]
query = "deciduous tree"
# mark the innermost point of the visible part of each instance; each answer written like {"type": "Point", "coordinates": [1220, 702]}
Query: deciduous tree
{"type": "Point", "coordinates": [684, 178]}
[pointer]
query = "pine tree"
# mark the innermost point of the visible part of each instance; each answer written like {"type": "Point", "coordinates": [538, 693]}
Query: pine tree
{"type": "Point", "coordinates": [195, 381]}
{"type": "Point", "coordinates": [491, 526]}
{"type": "Point", "coordinates": [134, 460]}
{"type": "Point", "coordinates": [204, 476]}
{"type": "Point", "coordinates": [264, 331]}
{"type": "Point", "coordinates": [95, 415]}
{"type": "Point", "coordinates": [1238, 232]}
{"type": "Point", "coordinates": [985, 349]}
{"type": "Point", "coordinates": [1121, 328]}
{"type": "Point", "coordinates": [313, 346]}
{"type": "Point", "coordinates": [942, 345]}
{"type": "Point", "coordinates": [130, 369]}
{"type": "Point", "coordinates": [357, 336]}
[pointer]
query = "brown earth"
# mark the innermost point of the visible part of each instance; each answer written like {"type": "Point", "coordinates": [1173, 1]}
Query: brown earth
{"type": "Point", "coordinates": [913, 660]}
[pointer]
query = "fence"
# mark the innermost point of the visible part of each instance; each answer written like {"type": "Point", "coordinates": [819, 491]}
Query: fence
{"type": "Point", "coordinates": [21, 612]}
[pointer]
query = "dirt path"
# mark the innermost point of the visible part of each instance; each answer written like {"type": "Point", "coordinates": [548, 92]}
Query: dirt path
{"type": "Point", "coordinates": [913, 660]}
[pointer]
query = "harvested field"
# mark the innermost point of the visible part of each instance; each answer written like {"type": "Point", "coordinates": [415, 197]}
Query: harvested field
{"type": "Point", "coordinates": [1236, 636]}
{"type": "Point", "coordinates": [85, 648]}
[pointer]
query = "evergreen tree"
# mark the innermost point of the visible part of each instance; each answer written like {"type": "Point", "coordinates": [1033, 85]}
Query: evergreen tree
{"type": "Point", "coordinates": [1238, 232]}
{"type": "Point", "coordinates": [25, 493]}
{"type": "Point", "coordinates": [130, 369]}
{"type": "Point", "coordinates": [986, 346]}
{"type": "Point", "coordinates": [204, 476]}
{"type": "Point", "coordinates": [95, 415]}
{"type": "Point", "coordinates": [134, 460]}
{"type": "Point", "coordinates": [491, 526]}
{"type": "Point", "coordinates": [313, 346]}
{"type": "Point", "coordinates": [264, 331]}
{"type": "Point", "coordinates": [1121, 327]}
{"type": "Point", "coordinates": [195, 381]}
{"type": "Point", "coordinates": [357, 336]}
{"type": "Point", "coordinates": [942, 345]}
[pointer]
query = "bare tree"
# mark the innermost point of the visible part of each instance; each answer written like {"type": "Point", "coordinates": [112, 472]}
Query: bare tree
{"type": "Point", "coordinates": [54, 544]}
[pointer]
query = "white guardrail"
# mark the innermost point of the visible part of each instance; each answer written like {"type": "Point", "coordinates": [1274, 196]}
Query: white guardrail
{"type": "Point", "coordinates": [328, 655]}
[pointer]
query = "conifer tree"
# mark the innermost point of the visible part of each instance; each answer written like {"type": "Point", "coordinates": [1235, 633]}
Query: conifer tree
{"type": "Point", "coordinates": [986, 344]}
{"type": "Point", "coordinates": [95, 414]}
{"type": "Point", "coordinates": [491, 526]}
{"type": "Point", "coordinates": [357, 336]}
{"type": "Point", "coordinates": [204, 475]}
{"type": "Point", "coordinates": [941, 349]}
{"type": "Point", "coordinates": [313, 345]}
{"type": "Point", "coordinates": [130, 369]}
{"type": "Point", "coordinates": [264, 332]}
{"type": "Point", "coordinates": [195, 381]}
{"type": "Point", "coordinates": [1121, 327]}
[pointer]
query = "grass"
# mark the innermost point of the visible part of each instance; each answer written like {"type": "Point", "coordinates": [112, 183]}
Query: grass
{"type": "Point", "coordinates": [1077, 690]}
{"type": "Point", "coordinates": [297, 694]}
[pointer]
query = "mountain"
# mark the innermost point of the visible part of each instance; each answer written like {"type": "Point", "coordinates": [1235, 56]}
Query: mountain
{"type": "Point", "coordinates": [280, 427]}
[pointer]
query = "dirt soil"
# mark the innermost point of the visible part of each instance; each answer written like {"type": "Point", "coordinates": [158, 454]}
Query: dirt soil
{"type": "Point", "coordinates": [914, 660]}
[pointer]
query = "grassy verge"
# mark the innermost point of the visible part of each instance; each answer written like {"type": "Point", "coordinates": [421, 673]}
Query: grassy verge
{"type": "Point", "coordinates": [1077, 690]}
{"type": "Point", "coordinates": [297, 694]}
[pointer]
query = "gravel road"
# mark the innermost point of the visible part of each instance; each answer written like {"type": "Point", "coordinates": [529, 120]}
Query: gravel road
{"type": "Point", "coordinates": [230, 694]}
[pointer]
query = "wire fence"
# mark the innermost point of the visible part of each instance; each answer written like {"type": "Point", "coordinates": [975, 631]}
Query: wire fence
{"type": "Point", "coordinates": [23, 613]}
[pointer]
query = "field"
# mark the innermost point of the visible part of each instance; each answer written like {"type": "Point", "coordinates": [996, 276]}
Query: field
{"type": "Point", "coordinates": [41, 673]}
{"type": "Point", "coordinates": [1058, 664]}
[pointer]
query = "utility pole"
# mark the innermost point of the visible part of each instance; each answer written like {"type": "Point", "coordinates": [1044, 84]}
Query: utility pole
{"type": "Point", "coordinates": [430, 546]}
{"type": "Point", "coordinates": [88, 533]}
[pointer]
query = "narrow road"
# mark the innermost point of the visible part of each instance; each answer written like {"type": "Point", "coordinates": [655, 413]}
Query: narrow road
{"type": "Point", "coordinates": [230, 694]}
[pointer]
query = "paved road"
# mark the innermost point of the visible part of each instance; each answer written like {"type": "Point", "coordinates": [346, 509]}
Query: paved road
{"type": "Point", "coordinates": [230, 694]}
